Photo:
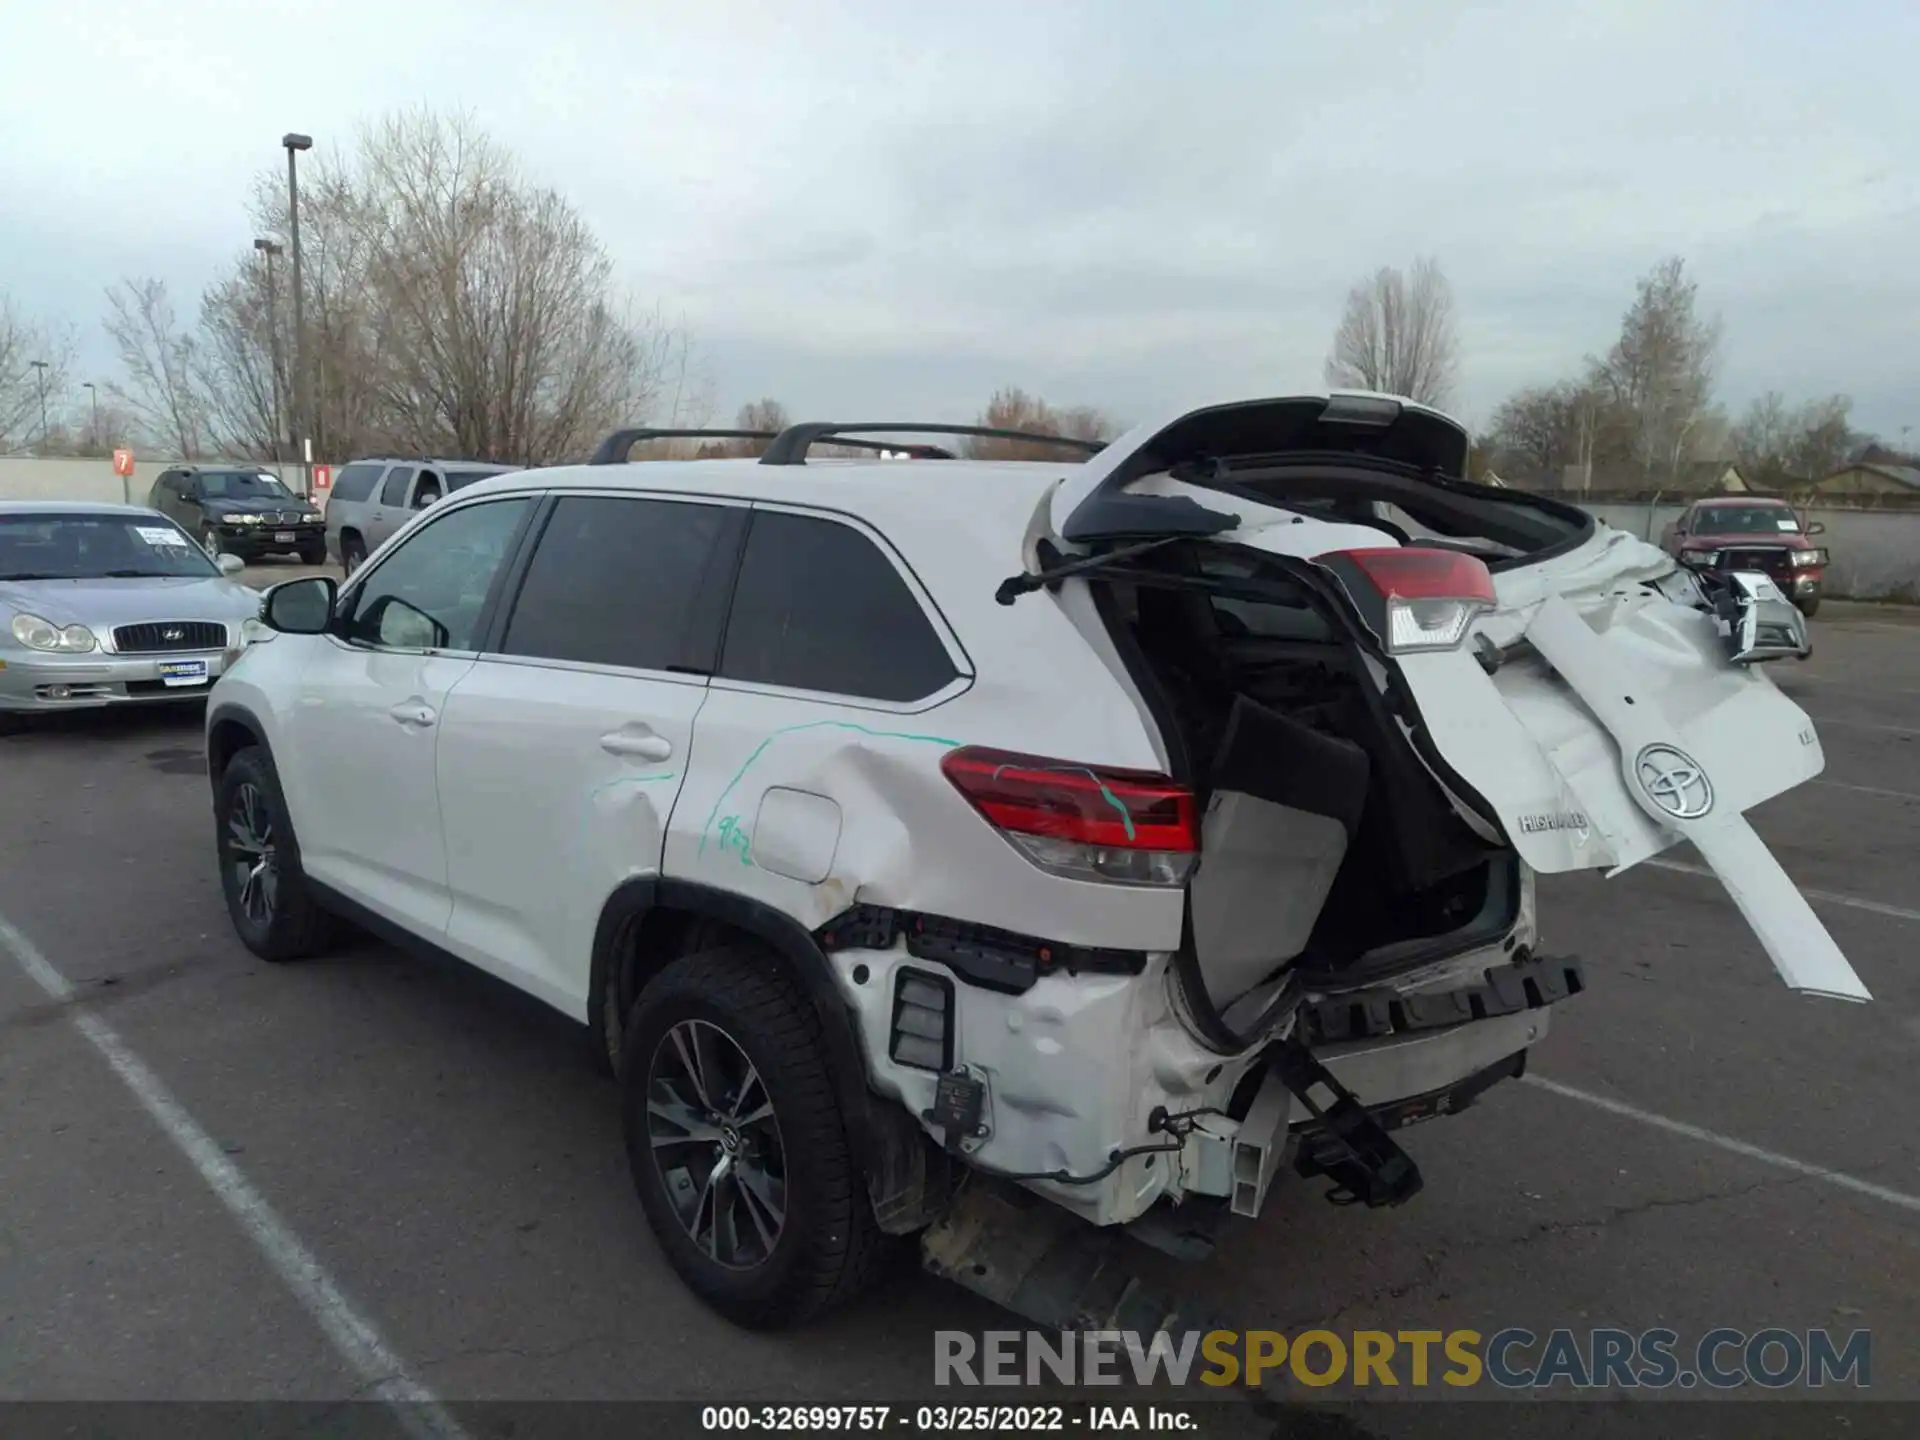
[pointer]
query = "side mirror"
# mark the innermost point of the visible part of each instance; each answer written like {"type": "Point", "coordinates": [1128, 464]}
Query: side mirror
{"type": "Point", "coordinates": [421, 502]}
{"type": "Point", "coordinates": [229, 564]}
{"type": "Point", "coordinates": [1818, 527]}
{"type": "Point", "coordinates": [300, 607]}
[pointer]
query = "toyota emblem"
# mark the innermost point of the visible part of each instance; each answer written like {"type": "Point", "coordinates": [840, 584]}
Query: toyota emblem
{"type": "Point", "coordinates": [1674, 781]}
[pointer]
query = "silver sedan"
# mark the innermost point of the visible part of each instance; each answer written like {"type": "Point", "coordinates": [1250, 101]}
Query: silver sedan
{"type": "Point", "coordinates": [110, 605]}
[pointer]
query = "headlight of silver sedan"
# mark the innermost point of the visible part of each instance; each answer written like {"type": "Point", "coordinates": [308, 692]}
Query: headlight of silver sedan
{"type": "Point", "coordinates": [37, 634]}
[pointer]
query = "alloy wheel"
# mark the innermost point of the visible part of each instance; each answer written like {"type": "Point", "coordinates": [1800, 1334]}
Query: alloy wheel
{"type": "Point", "coordinates": [716, 1144]}
{"type": "Point", "coordinates": [250, 842]}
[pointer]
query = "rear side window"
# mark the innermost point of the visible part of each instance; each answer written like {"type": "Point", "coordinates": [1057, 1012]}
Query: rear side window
{"type": "Point", "coordinates": [394, 492]}
{"type": "Point", "coordinates": [819, 607]}
{"type": "Point", "coordinates": [621, 582]}
{"type": "Point", "coordinates": [356, 482]}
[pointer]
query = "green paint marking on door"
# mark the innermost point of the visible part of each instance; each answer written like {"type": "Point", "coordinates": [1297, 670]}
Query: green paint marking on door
{"type": "Point", "coordinates": [761, 749]}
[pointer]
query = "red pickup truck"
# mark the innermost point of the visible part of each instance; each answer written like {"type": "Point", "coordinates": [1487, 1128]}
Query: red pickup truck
{"type": "Point", "coordinates": [1749, 533]}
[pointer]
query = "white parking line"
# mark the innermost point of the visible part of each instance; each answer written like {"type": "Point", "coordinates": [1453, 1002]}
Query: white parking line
{"type": "Point", "coordinates": [356, 1339]}
{"type": "Point", "coordinates": [1818, 897]}
{"type": "Point", "coordinates": [1837, 1178]}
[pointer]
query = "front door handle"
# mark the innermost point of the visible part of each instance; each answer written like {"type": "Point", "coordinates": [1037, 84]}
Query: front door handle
{"type": "Point", "coordinates": [640, 744]}
{"type": "Point", "coordinates": [413, 712]}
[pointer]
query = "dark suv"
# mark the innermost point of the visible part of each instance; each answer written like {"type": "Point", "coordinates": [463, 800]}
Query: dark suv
{"type": "Point", "coordinates": [240, 511]}
{"type": "Point", "coordinates": [371, 499]}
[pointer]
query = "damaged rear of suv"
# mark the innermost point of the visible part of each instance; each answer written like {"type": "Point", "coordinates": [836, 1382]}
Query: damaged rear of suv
{"type": "Point", "coordinates": [1097, 840]}
{"type": "Point", "coordinates": [1377, 701]}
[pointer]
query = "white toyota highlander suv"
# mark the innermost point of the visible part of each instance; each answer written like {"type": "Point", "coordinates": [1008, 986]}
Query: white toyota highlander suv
{"type": "Point", "coordinates": [1119, 830]}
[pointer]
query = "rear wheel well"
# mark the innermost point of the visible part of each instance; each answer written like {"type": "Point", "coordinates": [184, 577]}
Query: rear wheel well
{"type": "Point", "coordinates": [649, 924]}
{"type": "Point", "coordinates": [649, 942]}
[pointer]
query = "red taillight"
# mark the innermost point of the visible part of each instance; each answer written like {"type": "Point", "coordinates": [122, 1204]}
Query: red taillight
{"type": "Point", "coordinates": [1408, 572]}
{"type": "Point", "coordinates": [1431, 596]}
{"type": "Point", "coordinates": [1088, 823]}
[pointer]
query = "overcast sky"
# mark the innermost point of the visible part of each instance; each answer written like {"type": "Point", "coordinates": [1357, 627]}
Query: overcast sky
{"type": "Point", "coordinates": [886, 209]}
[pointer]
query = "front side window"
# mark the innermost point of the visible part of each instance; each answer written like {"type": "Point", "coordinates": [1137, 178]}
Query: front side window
{"type": "Point", "coordinates": [620, 581]}
{"type": "Point", "coordinates": [819, 606]}
{"type": "Point", "coordinates": [430, 593]}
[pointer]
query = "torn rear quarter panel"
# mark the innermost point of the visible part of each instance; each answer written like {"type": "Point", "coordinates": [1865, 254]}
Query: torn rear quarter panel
{"type": "Point", "coordinates": [906, 838]}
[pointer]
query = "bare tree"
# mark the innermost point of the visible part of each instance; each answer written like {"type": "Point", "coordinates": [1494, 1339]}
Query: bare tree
{"type": "Point", "coordinates": [160, 360]}
{"type": "Point", "coordinates": [1536, 434]}
{"type": "Point", "coordinates": [23, 384]}
{"type": "Point", "coordinates": [1780, 447]}
{"type": "Point", "coordinates": [1659, 374]}
{"type": "Point", "coordinates": [1398, 336]}
{"type": "Point", "coordinates": [241, 367]}
{"type": "Point", "coordinates": [764, 414]}
{"type": "Point", "coordinates": [98, 428]}
{"type": "Point", "coordinates": [499, 333]}
{"type": "Point", "coordinates": [450, 306]}
{"type": "Point", "coordinates": [1012, 408]}
{"type": "Point", "coordinates": [340, 311]}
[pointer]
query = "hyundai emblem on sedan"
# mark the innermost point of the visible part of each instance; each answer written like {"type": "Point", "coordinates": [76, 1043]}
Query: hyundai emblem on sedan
{"type": "Point", "coordinates": [1674, 782]}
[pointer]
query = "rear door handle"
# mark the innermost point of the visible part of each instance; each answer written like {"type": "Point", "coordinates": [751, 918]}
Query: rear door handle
{"type": "Point", "coordinates": [641, 744]}
{"type": "Point", "coordinates": [412, 712]}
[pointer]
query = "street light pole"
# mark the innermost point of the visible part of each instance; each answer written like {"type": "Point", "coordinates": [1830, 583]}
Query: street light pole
{"type": "Point", "coordinates": [268, 250]}
{"type": "Point", "coordinates": [40, 367]}
{"type": "Point", "coordinates": [302, 360]}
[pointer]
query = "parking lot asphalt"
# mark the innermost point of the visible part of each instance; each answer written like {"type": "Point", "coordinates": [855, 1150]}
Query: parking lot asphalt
{"type": "Point", "coordinates": [1693, 1147]}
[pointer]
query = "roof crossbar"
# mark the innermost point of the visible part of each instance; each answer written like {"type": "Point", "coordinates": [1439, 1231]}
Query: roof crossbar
{"type": "Point", "coordinates": [796, 440]}
{"type": "Point", "coordinates": [614, 450]}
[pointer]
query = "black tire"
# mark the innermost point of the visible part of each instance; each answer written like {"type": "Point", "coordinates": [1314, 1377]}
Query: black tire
{"type": "Point", "coordinates": [1810, 606]}
{"type": "Point", "coordinates": [826, 1248]}
{"type": "Point", "coordinates": [313, 557]}
{"type": "Point", "coordinates": [353, 553]}
{"type": "Point", "coordinates": [272, 910]}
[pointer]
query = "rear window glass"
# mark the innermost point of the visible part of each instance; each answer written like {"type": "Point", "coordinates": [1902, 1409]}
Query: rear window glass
{"type": "Point", "coordinates": [1260, 619]}
{"type": "Point", "coordinates": [356, 482]}
{"type": "Point", "coordinates": [819, 607]}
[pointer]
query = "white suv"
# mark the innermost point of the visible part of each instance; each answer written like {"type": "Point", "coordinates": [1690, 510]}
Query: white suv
{"type": "Point", "coordinates": [1122, 828]}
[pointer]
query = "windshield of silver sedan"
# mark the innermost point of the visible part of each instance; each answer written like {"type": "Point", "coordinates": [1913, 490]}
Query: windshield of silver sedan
{"type": "Point", "coordinates": [54, 546]}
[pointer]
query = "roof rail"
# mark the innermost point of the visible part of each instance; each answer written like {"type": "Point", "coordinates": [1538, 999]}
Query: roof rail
{"type": "Point", "coordinates": [614, 449]}
{"type": "Point", "coordinates": [796, 440]}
